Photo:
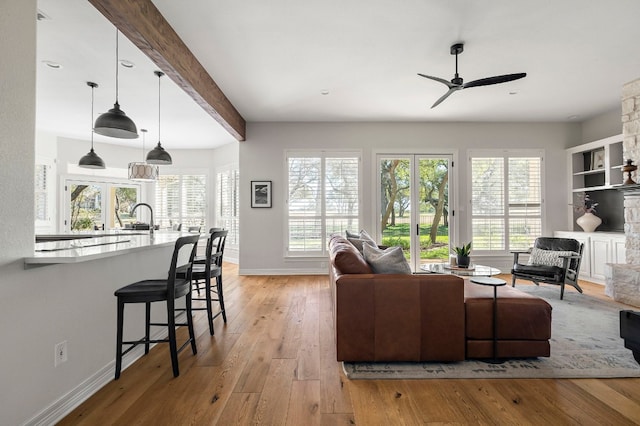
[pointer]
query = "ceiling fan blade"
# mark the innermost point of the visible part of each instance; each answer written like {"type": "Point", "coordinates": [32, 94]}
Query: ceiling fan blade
{"type": "Point", "coordinates": [446, 95]}
{"type": "Point", "coordinates": [441, 80]}
{"type": "Point", "coordinates": [494, 80]}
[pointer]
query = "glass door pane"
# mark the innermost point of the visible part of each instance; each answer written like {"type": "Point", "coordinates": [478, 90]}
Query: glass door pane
{"type": "Point", "coordinates": [121, 200]}
{"type": "Point", "coordinates": [432, 212]}
{"type": "Point", "coordinates": [395, 206]}
{"type": "Point", "coordinates": [85, 206]}
{"type": "Point", "coordinates": [414, 207]}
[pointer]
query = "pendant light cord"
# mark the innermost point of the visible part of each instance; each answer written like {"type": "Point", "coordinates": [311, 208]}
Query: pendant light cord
{"type": "Point", "coordinates": [159, 77]}
{"type": "Point", "coordinates": [92, 87]}
{"type": "Point", "coordinates": [144, 138]}
{"type": "Point", "coordinates": [117, 31]}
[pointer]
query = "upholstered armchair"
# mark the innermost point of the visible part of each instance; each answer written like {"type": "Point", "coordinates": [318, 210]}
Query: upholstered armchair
{"type": "Point", "coordinates": [551, 261]}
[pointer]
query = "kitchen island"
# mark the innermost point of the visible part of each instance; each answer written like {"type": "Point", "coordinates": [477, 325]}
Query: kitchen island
{"type": "Point", "coordinates": [81, 247]}
{"type": "Point", "coordinates": [70, 285]}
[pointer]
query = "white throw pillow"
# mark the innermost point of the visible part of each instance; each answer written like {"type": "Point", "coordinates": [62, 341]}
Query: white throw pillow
{"type": "Point", "coordinates": [359, 239]}
{"type": "Point", "coordinates": [548, 257]}
{"type": "Point", "coordinates": [388, 261]}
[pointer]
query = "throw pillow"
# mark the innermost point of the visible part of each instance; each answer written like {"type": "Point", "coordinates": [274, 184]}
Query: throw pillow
{"type": "Point", "coordinates": [359, 239]}
{"type": "Point", "coordinates": [548, 257]}
{"type": "Point", "coordinates": [386, 261]}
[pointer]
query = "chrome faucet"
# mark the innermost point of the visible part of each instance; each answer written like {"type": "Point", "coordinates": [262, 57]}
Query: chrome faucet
{"type": "Point", "coordinates": [151, 225]}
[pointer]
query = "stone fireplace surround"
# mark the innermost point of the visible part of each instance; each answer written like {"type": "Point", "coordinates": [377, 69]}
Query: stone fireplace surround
{"type": "Point", "coordinates": [623, 280]}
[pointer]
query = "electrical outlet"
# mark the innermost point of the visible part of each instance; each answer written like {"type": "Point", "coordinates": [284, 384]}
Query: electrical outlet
{"type": "Point", "coordinates": [60, 355]}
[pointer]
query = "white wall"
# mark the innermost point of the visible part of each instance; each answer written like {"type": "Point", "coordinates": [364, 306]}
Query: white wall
{"type": "Point", "coordinates": [262, 158]}
{"type": "Point", "coordinates": [602, 126]}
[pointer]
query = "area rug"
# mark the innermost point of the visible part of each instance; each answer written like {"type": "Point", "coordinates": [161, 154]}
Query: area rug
{"type": "Point", "coordinates": [585, 343]}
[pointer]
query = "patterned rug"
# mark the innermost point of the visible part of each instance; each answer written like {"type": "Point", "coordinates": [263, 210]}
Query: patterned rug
{"type": "Point", "coordinates": [585, 343]}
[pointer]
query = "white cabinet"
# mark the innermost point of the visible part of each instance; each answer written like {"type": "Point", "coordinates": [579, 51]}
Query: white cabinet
{"type": "Point", "coordinates": [600, 248]}
{"type": "Point", "coordinates": [600, 253]}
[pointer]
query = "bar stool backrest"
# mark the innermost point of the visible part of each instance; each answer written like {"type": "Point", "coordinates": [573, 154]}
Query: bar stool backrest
{"type": "Point", "coordinates": [175, 286]}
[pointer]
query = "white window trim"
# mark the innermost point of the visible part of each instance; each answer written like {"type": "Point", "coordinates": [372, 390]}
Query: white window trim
{"type": "Point", "coordinates": [225, 169]}
{"type": "Point", "coordinates": [323, 154]}
{"type": "Point", "coordinates": [505, 153]}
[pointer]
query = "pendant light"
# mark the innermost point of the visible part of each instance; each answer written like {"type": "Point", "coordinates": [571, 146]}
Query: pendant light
{"type": "Point", "coordinates": [115, 123]}
{"type": "Point", "coordinates": [158, 155]}
{"type": "Point", "coordinates": [91, 160]}
{"type": "Point", "coordinates": [143, 171]}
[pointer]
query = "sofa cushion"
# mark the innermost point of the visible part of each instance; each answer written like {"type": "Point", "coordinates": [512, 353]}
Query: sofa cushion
{"type": "Point", "coordinates": [386, 261]}
{"type": "Point", "coordinates": [521, 316]}
{"type": "Point", "coordinates": [548, 257]}
{"type": "Point", "coordinates": [542, 271]}
{"type": "Point", "coordinates": [346, 258]}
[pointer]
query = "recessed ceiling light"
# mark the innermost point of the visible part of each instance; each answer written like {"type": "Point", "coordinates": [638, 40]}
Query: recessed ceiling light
{"type": "Point", "coordinates": [573, 117]}
{"type": "Point", "coordinates": [513, 93]}
{"type": "Point", "coordinates": [51, 64]}
{"type": "Point", "coordinates": [127, 64]}
{"type": "Point", "coordinates": [324, 92]}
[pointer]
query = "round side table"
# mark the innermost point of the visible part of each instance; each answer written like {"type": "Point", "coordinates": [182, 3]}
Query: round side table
{"type": "Point", "coordinates": [495, 283]}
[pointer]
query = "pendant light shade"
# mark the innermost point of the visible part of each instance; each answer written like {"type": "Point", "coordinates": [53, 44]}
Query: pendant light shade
{"type": "Point", "coordinates": [91, 160]}
{"type": "Point", "coordinates": [143, 171]}
{"type": "Point", "coordinates": [115, 123]}
{"type": "Point", "coordinates": [158, 155]}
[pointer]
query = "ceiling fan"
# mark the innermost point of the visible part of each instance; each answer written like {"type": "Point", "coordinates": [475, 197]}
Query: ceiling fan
{"type": "Point", "coordinates": [458, 84]}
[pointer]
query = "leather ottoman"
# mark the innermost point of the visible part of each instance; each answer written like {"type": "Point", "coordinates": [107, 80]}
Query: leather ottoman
{"type": "Point", "coordinates": [523, 323]}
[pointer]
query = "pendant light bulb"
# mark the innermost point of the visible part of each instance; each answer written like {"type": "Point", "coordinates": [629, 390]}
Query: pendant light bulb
{"type": "Point", "coordinates": [158, 155]}
{"type": "Point", "coordinates": [115, 123]}
{"type": "Point", "coordinates": [91, 160]}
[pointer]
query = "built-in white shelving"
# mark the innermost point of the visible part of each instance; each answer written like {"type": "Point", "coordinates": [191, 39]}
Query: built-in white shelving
{"type": "Point", "coordinates": [596, 165]}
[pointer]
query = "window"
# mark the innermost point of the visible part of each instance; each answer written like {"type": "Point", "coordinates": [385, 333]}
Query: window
{"type": "Point", "coordinates": [181, 199]}
{"type": "Point", "coordinates": [506, 200]}
{"type": "Point", "coordinates": [228, 183]}
{"type": "Point", "coordinates": [323, 198]}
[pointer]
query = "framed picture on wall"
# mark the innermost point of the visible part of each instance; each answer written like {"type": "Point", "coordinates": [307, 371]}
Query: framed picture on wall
{"type": "Point", "coordinates": [597, 159]}
{"type": "Point", "coordinates": [261, 194]}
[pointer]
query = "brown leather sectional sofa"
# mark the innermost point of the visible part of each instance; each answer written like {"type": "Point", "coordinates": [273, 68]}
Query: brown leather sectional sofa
{"type": "Point", "coordinates": [428, 317]}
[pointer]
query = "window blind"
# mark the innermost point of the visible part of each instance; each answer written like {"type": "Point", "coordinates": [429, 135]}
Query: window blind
{"type": "Point", "coordinates": [323, 198]}
{"type": "Point", "coordinates": [506, 201]}
{"type": "Point", "coordinates": [181, 199]}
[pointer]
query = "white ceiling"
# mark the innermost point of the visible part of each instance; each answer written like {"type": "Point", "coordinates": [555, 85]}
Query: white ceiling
{"type": "Point", "coordinates": [274, 58]}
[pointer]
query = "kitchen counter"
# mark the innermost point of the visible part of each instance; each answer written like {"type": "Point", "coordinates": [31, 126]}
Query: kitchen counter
{"type": "Point", "coordinates": [98, 245]}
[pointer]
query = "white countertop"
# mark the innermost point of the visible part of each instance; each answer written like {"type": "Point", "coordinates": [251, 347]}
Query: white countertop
{"type": "Point", "coordinates": [103, 244]}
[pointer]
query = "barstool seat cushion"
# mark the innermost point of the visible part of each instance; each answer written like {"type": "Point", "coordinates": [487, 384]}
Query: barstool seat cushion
{"type": "Point", "coordinates": [151, 290]}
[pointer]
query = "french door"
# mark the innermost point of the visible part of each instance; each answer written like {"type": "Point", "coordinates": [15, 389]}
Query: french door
{"type": "Point", "coordinates": [414, 205]}
{"type": "Point", "coordinates": [93, 205]}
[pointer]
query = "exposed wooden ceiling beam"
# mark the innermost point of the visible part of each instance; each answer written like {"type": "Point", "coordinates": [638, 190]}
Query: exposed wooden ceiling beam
{"type": "Point", "coordinates": [142, 23]}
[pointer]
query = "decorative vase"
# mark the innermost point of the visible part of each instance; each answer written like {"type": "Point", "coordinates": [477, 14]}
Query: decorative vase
{"type": "Point", "coordinates": [588, 222]}
{"type": "Point", "coordinates": [463, 261]}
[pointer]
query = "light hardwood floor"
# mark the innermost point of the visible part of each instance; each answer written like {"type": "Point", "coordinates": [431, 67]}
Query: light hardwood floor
{"type": "Point", "coordinates": [274, 364]}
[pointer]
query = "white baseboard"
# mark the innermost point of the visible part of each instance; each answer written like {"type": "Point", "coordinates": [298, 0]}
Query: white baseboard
{"type": "Point", "coordinates": [287, 271]}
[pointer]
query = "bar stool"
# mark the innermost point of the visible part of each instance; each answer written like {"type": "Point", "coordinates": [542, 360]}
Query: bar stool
{"type": "Point", "coordinates": [157, 290]}
{"type": "Point", "coordinates": [210, 267]}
